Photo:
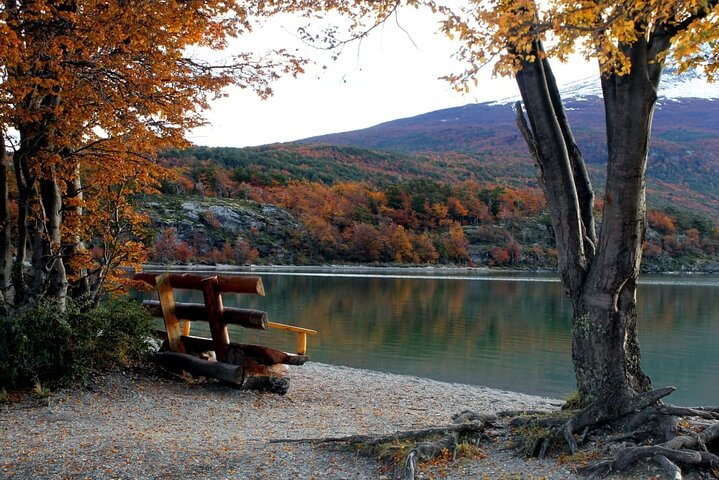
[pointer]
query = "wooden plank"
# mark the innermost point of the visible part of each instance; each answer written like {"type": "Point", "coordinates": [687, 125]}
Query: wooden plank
{"type": "Point", "coordinates": [186, 326]}
{"type": "Point", "coordinates": [230, 284]}
{"type": "Point", "coordinates": [292, 328]}
{"type": "Point", "coordinates": [260, 354]}
{"type": "Point", "coordinates": [213, 305]}
{"type": "Point", "coordinates": [245, 317]}
{"type": "Point", "coordinates": [167, 303]}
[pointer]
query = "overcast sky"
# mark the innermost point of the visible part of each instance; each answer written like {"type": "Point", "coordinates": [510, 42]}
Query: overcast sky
{"type": "Point", "coordinates": [393, 74]}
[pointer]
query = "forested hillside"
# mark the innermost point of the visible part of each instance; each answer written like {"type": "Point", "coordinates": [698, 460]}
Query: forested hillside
{"type": "Point", "coordinates": [683, 167]}
{"type": "Point", "coordinates": [349, 205]}
{"type": "Point", "coordinates": [451, 186]}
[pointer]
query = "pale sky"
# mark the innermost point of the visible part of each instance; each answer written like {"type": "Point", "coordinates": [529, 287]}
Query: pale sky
{"type": "Point", "coordinates": [393, 74]}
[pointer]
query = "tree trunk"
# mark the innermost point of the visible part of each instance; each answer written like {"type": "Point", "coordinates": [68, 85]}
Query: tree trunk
{"type": "Point", "coordinates": [607, 361]}
{"type": "Point", "coordinates": [6, 289]}
{"type": "Point", "coordinates": [73, 244]}
{"type": "Point", "coordinates": [57, 276]}
{"type": "Point", "coordinates": [49, 279]}
{"type": "Point", "coordinates": [23, 180]}
{"type": "Point", "coordinates": [599, 274]}
{"type": "Point", "coordinates": [605, 349]}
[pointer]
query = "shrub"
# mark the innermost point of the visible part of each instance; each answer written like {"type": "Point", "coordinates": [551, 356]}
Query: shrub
{"type": "Point", "coordinates": [45, 344]}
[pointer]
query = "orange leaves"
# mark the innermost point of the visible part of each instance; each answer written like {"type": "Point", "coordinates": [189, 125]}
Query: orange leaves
{"type": "Point", "coordinates": [94, 89]}
{"type": "Point", "coordinates": [661, 222]}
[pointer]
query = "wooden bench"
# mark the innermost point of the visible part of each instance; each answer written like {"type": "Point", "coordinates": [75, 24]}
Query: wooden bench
{"type": "Point", "coordinates": [249, 366]}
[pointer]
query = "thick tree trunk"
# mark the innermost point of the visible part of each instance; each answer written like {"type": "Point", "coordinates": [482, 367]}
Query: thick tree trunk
{"type": "Point", "coordinates": [609, 296]}
{"type": "Point", "coordinates": [599, 274]}
{"type": "Point", "coordinates": [605, 349]}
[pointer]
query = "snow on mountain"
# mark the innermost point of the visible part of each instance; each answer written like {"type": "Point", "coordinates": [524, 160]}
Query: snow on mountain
{"type": "Point", "coordinates": [687, 85]}
{"type": "Point", "coordinates": [673, 87]}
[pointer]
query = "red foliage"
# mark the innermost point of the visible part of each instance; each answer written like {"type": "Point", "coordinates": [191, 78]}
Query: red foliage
{"type": "Point", "coordinates": [661, 222]}
{"type": "Point", "coordinates": [499, 256]}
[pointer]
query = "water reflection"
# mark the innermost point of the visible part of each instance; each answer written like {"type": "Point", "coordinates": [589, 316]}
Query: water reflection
{"type": "Point", "coordinates": [498, 331]}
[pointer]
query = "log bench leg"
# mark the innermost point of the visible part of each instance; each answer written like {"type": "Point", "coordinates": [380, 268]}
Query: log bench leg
{"type": "Point", "coordinates": [301, 343]}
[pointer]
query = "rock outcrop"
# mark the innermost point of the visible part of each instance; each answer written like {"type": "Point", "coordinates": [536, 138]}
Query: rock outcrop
{"type": "Point", "coordinates": [210, 223]}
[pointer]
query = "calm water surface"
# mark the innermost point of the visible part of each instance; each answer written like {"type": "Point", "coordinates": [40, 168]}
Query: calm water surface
{"type": "Point", "coordinates": [499, 330]}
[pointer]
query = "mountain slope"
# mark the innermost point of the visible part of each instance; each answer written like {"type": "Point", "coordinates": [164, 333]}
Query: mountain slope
{"type": "Point", "coordinates": [683, 168]}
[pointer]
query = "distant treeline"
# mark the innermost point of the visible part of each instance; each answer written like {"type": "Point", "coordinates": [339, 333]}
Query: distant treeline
{"type": "Point", "coordinates": [412, 221]}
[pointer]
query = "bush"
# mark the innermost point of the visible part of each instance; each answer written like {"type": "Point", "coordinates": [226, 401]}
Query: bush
{"type": "Point", "coordinates": [44, 344]}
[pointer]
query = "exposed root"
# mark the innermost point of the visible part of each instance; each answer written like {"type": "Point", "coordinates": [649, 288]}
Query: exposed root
{"type": "Point", "coordinates": [648, 431]}
{"type": "Point", "coordinates": [671, 468]}
{"type": "Point", "coordinates": [689, 443]}
{"type": "Point", "coordinates": [477, 425]}
{"type": "Point", "coordinates": [638, 430]}
{"type": "Point", "coordinates": [429, 443]}
{"type": "Point", "coordinates": [426, 451]}
{"type": "Point", "coordinates": [598, 414]}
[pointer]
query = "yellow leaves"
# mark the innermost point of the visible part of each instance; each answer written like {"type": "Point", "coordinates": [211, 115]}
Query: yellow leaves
{"type": "Point", "coordinates": [505, 30]}
{"type": "Point", "coordinates": [697, 46]}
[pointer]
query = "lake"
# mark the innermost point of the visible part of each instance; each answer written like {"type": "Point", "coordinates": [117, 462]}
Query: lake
{"type": "Point", "coordinates": [502, 330]}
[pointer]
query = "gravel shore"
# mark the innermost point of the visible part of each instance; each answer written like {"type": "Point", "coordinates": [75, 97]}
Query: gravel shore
{"type": "Point", "coordinates": [137, 426]}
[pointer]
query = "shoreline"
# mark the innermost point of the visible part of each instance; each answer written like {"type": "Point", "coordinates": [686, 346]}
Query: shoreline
{"type": "Point", "coordinates": [134, 425]}
{"type": "Point", "coordinates": [438, 270]}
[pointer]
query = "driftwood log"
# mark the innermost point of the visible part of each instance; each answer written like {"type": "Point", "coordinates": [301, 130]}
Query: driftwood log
{"type": "Point", "coordinates": [238, 352]}
{"type": "Point", "coordinates": [235, 284]}
{"type": "Point", "coordinates": [243, 372]}
{"type": "Point", "coordinates": [198, 367]}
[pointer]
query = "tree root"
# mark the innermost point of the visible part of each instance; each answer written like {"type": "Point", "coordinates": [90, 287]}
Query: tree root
{"type": "Point", "coordinates": [426, 451]}
{"type": "Point", "coordinates": [643, 420]}
{"type": "Point", "coordinates": [640, 429]}
{"type": "Point", "coordinates": [648, 431]}
{"type": "Point", "coordinates": [467, 427]}
{"type": "Point", "coordinates": [598, 414]}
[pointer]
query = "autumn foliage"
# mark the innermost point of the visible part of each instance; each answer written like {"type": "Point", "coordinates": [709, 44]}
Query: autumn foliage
{"type": "Point", "coordinates": [417, 221]}
{"type": "Point", "coordinates": [91, 90]}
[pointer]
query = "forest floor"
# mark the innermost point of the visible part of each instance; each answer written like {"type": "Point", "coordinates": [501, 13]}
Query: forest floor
{"type": "Point", "coordinates": [134, 424]}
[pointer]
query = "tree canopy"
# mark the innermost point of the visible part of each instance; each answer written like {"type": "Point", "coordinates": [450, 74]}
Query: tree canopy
{"type": "Point", "coordinates": [90, 90]}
